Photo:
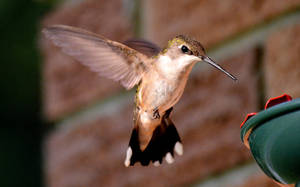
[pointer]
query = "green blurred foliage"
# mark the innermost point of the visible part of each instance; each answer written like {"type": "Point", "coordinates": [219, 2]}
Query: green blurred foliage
{"type": "Point", "coordinates": [20, 81]}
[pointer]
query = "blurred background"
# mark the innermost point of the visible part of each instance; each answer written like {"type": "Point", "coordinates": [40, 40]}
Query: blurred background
{"type": "Point", "coordinates": [65, 126]}
{"type": "Point", "coordinates": [21, 79]}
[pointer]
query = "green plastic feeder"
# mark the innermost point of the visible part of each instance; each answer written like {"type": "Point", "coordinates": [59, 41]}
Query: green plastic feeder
{"type": "Point", "coordinates": [273, 136]}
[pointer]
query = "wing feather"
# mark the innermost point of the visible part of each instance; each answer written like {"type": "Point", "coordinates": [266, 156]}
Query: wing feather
{"type": "Point", "coordinates": [143, 46]}
{"type": "Point", "coordinates": [108, 58]}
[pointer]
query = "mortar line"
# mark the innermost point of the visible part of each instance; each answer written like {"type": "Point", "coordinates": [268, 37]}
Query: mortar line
{"type": "Point", "coordinates": [260, 89]}
{"type": "Point", "coordinates": [235, 176]}
{"type": "Point", "coordinates": [244, 41]}
{"type": "Point", "coordinates": [101, 108]}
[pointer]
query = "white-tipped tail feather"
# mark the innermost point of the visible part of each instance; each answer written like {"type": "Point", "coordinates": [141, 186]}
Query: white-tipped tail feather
{"type": "Point", "coordinates": [178, 148]}
{"type": "Point", "coordinates": [128, 157]}
{"type": "Point", "coordinates": [169, 158]}
{"type": "Point", "coordinates": [156, 163]}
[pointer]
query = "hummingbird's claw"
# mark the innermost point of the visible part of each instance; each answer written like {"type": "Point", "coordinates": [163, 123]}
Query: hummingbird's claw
{"type": "Point", "coordinates": [156, 114]}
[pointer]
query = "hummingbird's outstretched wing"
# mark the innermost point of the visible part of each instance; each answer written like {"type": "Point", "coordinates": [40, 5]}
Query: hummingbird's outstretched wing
{"type": "Point", "coordinates": [108, 58]}
{"type": "Point", "coordinates": [143, 46]}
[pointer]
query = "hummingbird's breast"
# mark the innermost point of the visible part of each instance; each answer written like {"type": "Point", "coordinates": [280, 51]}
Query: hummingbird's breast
{"type": "Point", "coordinates": [158, 91]}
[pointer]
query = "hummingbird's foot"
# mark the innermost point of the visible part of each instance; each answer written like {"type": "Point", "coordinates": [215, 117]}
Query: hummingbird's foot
{"type": "Point", "coordinates": [156, 113]}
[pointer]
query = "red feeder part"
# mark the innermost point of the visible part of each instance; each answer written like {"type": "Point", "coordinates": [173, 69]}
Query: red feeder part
{"type": "Point", "coordinates": [271, 102]}
{"type": "Point", "coordinates": [248, 117]}
{"type": "Point", "coordinates": [277, 100]}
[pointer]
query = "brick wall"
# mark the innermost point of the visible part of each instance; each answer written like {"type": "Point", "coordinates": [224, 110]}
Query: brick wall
{"type": "Point", "coordinates": [258, 41]}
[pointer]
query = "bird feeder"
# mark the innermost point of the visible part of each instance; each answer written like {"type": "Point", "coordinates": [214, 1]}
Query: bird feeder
{"type": "Point", "coordinates": [273, 136]}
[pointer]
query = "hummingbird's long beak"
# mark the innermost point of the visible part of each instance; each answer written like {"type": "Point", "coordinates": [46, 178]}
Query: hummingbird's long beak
{"type": "Point", "coordinates": [211, 62]}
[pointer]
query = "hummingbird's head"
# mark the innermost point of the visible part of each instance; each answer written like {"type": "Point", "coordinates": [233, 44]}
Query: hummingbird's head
{"type": "Point", "coordinates": [191, 51]}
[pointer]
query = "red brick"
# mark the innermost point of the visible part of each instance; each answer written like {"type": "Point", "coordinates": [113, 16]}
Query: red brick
{"type": "Point", "coordinates": [68, 85]}
{"type": "Point", "coordinates": [282, 62]}
{"type": "Point", "coordinates": [207, 118]}
{"type": "Point", "coordinates": [211, 21]}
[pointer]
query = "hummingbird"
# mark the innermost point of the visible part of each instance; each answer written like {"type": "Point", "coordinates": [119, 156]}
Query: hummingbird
{"type": "Point", "coordinates": [160, 76]}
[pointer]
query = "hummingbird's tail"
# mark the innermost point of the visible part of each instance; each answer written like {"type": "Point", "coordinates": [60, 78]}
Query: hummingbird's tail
{"type": "Point", "coordinates": [165, 140]}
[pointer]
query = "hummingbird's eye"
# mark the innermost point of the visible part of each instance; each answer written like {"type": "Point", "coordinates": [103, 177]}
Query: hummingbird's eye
{"type": "Point", "coordinates": [185, 49]}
